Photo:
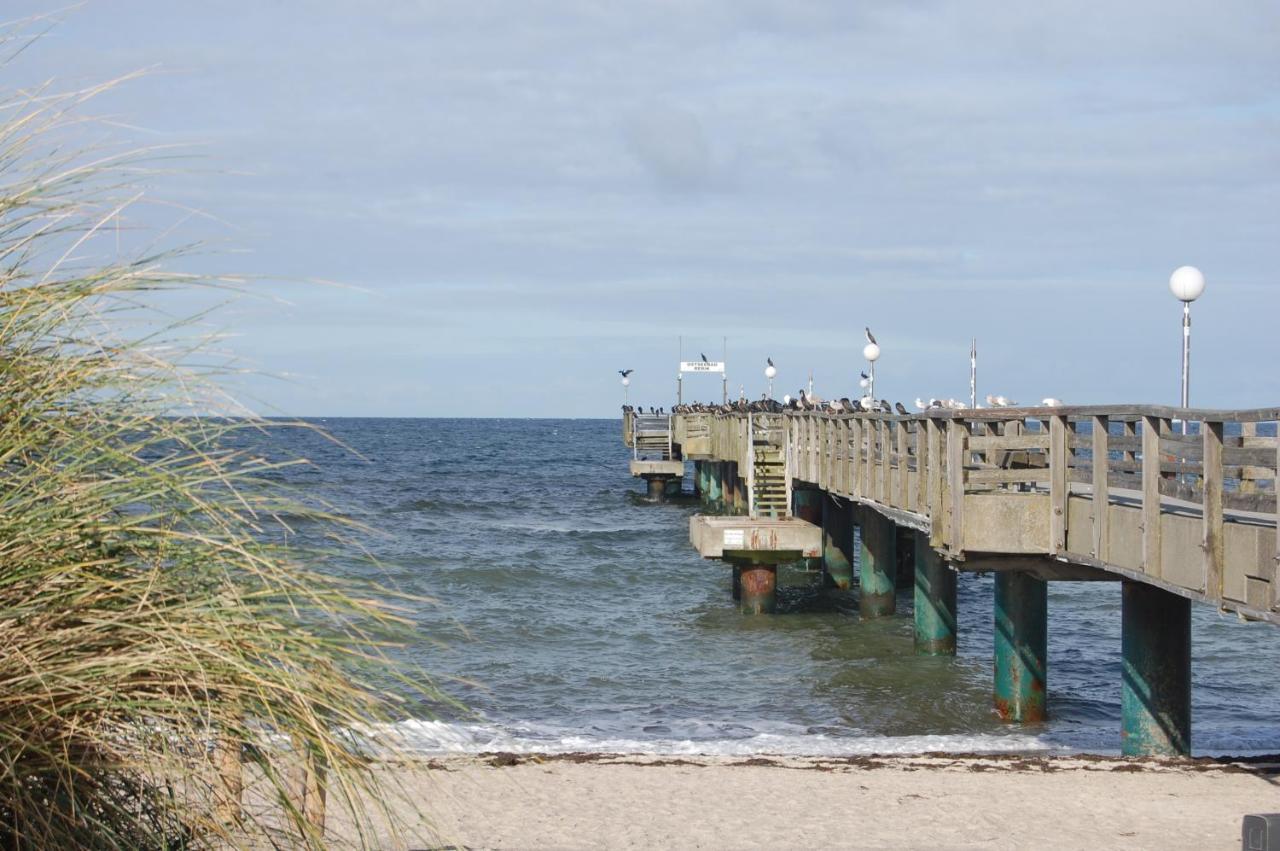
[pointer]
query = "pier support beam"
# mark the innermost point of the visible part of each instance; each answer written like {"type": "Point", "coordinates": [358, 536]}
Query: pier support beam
{"type": "Point", "coordinates": [1021, 646]}
{"type": "Point", "coordinates": [715, 492]}
{"type": "Point", "coordinates": [878, 565]}
{"type": "Point", "coordinates": [807, 506]}
{"type": "Point", "coordinates": [837, 542]}
{"type": "Point", "coordinates": [730, 487]}
{"type": "Point", "coordinates": [935, 601]}
{"type": "Point", "coordinates": [697, 479]}
{"type": "Point", "coordinates": [1155, 691]}
{"type": "Point", "coordinates": [737, 582]}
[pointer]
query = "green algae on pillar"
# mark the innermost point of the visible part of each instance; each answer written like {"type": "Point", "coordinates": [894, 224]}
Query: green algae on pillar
{"type": "Point", "coordinates": [1155, 690]}
{"type": "Point", "coordinates": [715, 494]}
{"type": "Point", "coordinates": [837, 542]}
{"type": "Point", "coordinates": [878, 565]}
{"type": "Point", "coordinates": [935, 601]}
{"type": "Point", "coordinates": [1021, 645]}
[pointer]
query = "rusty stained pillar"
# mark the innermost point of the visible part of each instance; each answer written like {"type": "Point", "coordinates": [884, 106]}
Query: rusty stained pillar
{"type": "Point", "coordinates": [807, 506]}
{"type": "Point", "coordinates": [730, 485]}
{"type": "Point", "coordinates": [878, 564]}
{"type": "Point", "coordinates": [837, 542]}
{"type": "Point", "coordinates": [1021, 646]}
{"type": "Point", "coordinates": [758, 585]}
{"type": "Point", "coordinates": [1155, 688]}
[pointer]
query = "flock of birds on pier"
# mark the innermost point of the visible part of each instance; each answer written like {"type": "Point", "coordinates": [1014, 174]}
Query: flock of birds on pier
{"type": "Point", "coordinates": [802, 401]}
{"type": "Point", "coordinates": [806, 401]}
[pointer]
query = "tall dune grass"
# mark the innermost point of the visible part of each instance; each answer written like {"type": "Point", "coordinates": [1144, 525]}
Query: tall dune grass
{"type": "Point", "coordinates": [155, 609]}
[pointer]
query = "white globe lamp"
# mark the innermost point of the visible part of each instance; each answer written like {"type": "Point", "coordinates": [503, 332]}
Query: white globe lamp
{"type": "Point", "coordinates": [1187, 284]}
{"type": "Point", "coordinates": [770, 372]}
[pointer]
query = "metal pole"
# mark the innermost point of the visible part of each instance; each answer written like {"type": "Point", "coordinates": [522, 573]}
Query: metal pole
{"type": "Point", "coordinates": [973, 373]}
{"type": "Point", "coordinates": [871, 382]}
{"type": "Point", "coordinates": [1186, 360]}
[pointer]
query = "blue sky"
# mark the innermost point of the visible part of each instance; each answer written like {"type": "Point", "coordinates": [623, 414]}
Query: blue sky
{"type": "Point", "coordinates": [517, 199]}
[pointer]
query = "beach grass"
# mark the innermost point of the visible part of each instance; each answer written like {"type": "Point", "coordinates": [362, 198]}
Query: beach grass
{"type": "Point", "coordinates": [162, 629]}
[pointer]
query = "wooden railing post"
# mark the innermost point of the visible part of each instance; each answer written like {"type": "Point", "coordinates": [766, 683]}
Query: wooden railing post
{"type": "Point", "coordinates": [1212, 509]}
{"type": "Point", "coordinates": [937, 530]}
{"type": "Point", "coordinates": [883, 480]}
{"type": "Point", "coordinates": [1151, 553]}
{"type": "Point", "coordinates": [855, 443]}
{"type": "Point", "coordinates": [957, 453]}
{"type": "Point", "coordinates": [1101, 494]}
{"type": "Point", "coordinates": [1059, 465]}
{"type": "Point", "coordinates": [901, 497]}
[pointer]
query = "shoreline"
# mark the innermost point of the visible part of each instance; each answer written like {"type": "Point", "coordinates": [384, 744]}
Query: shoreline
{"type": "Point", "coordinates": [501, 799]}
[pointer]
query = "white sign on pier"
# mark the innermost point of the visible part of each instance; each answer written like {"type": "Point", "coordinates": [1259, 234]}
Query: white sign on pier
{"type": "Point", "coordinates": [702, 366]}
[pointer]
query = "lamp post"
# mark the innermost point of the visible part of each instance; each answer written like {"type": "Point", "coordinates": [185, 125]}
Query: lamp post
{"type": "Point", "coordinates": [770, 372]}
{"type": "Point", "coordinates": [626, 392]}
{"type": "Point", "coordinates": [1187, 284]}
{"type": "Point", "coordinates": [871, 351]}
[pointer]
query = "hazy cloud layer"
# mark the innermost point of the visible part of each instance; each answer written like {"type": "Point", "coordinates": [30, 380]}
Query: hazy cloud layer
{"type": "Point", "coordinates": [526, 197]}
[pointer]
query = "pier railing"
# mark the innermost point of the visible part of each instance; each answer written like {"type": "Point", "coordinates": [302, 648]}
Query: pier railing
{"type": "Point", "coordinates": [1118, 488]}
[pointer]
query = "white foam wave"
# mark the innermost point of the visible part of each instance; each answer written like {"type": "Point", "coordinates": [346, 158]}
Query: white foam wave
{"type": "Point", "coordinates": [442, 737]}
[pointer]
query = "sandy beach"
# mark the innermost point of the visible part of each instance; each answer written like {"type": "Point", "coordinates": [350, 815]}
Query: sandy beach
{"type": "Point", "coordinates": [594, 801]}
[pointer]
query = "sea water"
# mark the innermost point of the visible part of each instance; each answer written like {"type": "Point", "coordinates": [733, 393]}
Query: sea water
{"type": "Point", "coordinates": [569, 614]}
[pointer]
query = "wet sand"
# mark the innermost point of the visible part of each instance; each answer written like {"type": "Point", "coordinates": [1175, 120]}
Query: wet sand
{"type": "Point", "coordinates": [936, 801]}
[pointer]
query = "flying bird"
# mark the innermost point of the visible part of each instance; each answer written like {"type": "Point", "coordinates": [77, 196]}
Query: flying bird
{"type": "Point", "coordinates": [625, 372]}
{"type": "Point", "coordinates": [704, 359]}
{"type": "Point", "coordinates": [871, 338]}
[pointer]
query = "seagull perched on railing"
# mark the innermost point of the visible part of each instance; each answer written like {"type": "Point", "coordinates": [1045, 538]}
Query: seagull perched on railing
{"type": "Point", "coordinates": [1051, 402]}
{"type": "Point", "coordinates": [625, 372]}
{"type": "Point", "coordinates": [1001, 402]}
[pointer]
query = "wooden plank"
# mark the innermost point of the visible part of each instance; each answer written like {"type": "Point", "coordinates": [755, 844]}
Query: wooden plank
{"type": "Point", "coordinates": [935, 487]}
{"type": "Point", "coordinates": [957, 452]}
{"type": "Point", "coordinates": [1152, 553]}
{"type": "Point", "coordinates": [922, 468]}
{"type": "Point", "coordinates": [1101, 497]}
{"type": "Point", "coordinates": [901, 497]}
{"type": "Point", "coordinates": [1059, 461]}
{"type": "Point", "coordinates": [1130, 438]}
{"type": "Point", "coordinates": [1212, 510]}
{"type": "Point", "coordinates": [855, 426]}
{"type": "Point", "coordinates": [1029, 475]}
{"type": "Point", "coordinates": [1009, 442]}
{"type": "Point", "coordinates": [883, 477]}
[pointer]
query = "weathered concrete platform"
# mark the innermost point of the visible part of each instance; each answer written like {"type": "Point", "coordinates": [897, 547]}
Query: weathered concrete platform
{"type": "Point", "coordinates": [645, 469]}
{"type": "Point", "coordinates": [760, 540]}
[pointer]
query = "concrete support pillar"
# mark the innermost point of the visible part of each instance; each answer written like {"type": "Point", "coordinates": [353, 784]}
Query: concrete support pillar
{"type": "Point", "coordinates": [1155, 690]}
{"type": "Point", "coordinates": [807, 506]}
{"type": "Point", "coordinates": [657, 488]}
{"type": "Point", "coordinates": [758, 583]}
{"type": "Point", "coordinates": [878, 565]}
{"type": "Point", "coordinates": [1021, 646]}
{"type": "Point", "coordinates": [905, 552]}
{"type": "Point", "coordinates": [730, 487]}
{"type": "Point", "coordinates": [697, 479]}
{"type": "Point", "coordinates": [675, 487]}
{"type": "Point", "coordinates": [737, 582]}
{"type": "Point", "coordinates": [715, 495]}
{"type": "Point", "coordinates": [935, 601]}
{"type": "Point", "coordinates": [837, 542]}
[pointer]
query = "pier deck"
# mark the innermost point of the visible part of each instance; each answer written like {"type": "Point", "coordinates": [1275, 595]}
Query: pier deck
{"type": "Point", "coordinates": [1178, 504]}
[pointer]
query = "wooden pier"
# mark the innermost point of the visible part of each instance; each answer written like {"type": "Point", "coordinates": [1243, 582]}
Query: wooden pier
{"type": "Point", "coordinates": [1179, 504]}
